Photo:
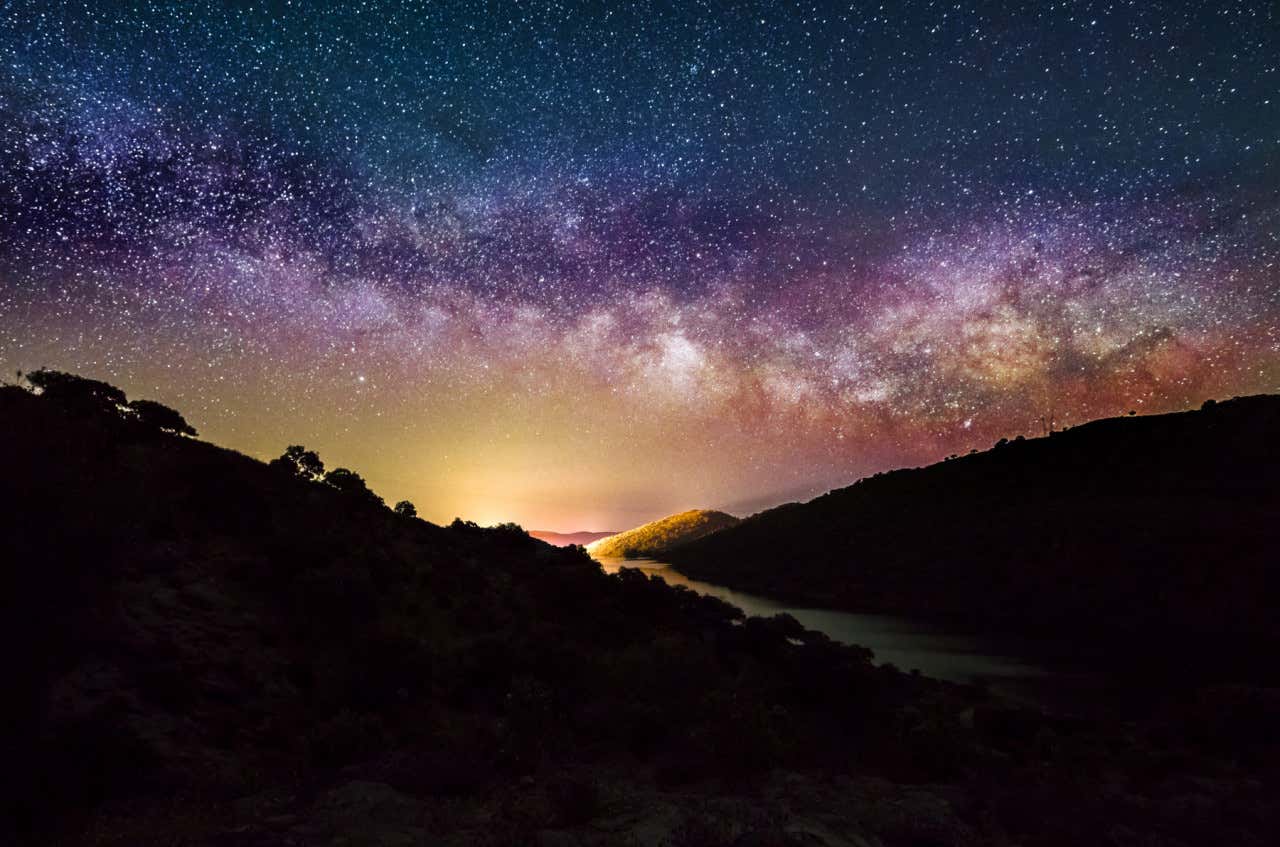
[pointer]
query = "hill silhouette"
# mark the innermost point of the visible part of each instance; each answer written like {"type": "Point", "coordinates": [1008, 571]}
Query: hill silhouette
{"type": "Point", "coordinates": [655, 537]}
{"type": "Point", "coordinates": [565, 539]}
{"type": "Point", "coordinates": [181, 621]}
{"type": "Point", "coordinates": [203, 649]}
{"type": "Point", "coordinates": [1152, 534]}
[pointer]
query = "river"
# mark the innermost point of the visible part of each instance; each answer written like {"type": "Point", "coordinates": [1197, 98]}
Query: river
{"type": "Point", "coordinates": [904, 643]}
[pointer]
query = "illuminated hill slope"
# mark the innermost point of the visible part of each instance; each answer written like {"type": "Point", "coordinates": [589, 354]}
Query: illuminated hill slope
{"type": "Point", "coordinates": [655, 537]}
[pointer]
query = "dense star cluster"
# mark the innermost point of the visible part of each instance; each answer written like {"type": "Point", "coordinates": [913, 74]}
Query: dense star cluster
{"type": "Point", "coordinates": [577, 266]}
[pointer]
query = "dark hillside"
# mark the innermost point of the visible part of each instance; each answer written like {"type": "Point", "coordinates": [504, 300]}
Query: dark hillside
{"type": "Point", "coordinates": [1149, 534]}
{"type": "Point", "coordinates": [181, 619]}
{"type": "Point", "coordinates": [202, 649]}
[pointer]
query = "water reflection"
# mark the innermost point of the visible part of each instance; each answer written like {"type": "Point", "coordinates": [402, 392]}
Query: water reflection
{"type": "Point", "coordinates": [908, 644]}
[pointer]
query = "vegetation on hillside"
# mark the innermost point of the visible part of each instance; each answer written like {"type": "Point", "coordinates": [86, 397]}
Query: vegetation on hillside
{"type": "Point", "coordinates": [655, 537]}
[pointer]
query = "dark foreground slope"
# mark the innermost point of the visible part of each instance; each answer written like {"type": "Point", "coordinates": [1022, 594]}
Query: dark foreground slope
{"type": "Point", "coordinates": [1150, 533]}
{"type": "Point", "coordinates": [180, 621]}
{"type": "Point", "coordinates": [199, 649]}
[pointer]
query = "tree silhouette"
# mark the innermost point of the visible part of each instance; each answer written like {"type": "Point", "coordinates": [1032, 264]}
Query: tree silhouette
{"type": "Point", "coordinates": [161, 416]}
{"type": "Point", "coordinates": [406, 508]}
{"type": "Point", "coordinates": [300, 461]}
{"type": "Point", "coordinates": [349, 482]}
{"type": "Point", "coordinates": [76, 390]}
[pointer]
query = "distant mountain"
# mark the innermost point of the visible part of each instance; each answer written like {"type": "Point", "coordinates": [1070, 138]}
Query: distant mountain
{"type": "Point", "coordinates": [658, 536]}
{"type": "Point", "coordinates": [565, 539]}
{"type": "Point", "coordinates": [1156, 533]}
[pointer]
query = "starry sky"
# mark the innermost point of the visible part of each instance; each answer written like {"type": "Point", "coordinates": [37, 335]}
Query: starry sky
{"type": "Point", "coordinates": [581, 265]}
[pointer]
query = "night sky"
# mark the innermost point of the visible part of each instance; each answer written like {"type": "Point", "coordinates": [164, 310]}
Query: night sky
{"type": "Point", "coordinates": [579, 268]}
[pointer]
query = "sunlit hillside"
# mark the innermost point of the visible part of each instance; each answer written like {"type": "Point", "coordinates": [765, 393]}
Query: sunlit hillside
{"type": "Point", "coordinates": [656, 536]}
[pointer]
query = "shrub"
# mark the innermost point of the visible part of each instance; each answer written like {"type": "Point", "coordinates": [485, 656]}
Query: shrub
{"type": "Point", "coordinates": [345, 738]}
{"type": "Point", "coordinates": [76, 390]}
{"type": "Point", "coordinates": [351, 483]}
{"type": "Point", "coordinates": [160, 416]}
{"type": "Point", "coordinates": [300, 461]}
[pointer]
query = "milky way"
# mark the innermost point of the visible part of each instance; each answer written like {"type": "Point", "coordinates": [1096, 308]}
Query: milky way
{"type": "Point", "coordinates": [578, 268]}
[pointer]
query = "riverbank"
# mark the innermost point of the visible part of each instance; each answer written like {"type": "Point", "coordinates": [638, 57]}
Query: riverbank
{"type": "Point", "coordinates": [1043, 674]}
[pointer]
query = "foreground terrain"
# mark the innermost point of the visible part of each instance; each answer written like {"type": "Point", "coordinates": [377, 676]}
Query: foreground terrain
{"type": "Point", "coordinates": [203, 649]}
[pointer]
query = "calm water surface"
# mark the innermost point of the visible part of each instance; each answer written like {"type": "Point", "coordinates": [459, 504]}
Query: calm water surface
{"type": "Point", "coordinates": [908, 644]}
